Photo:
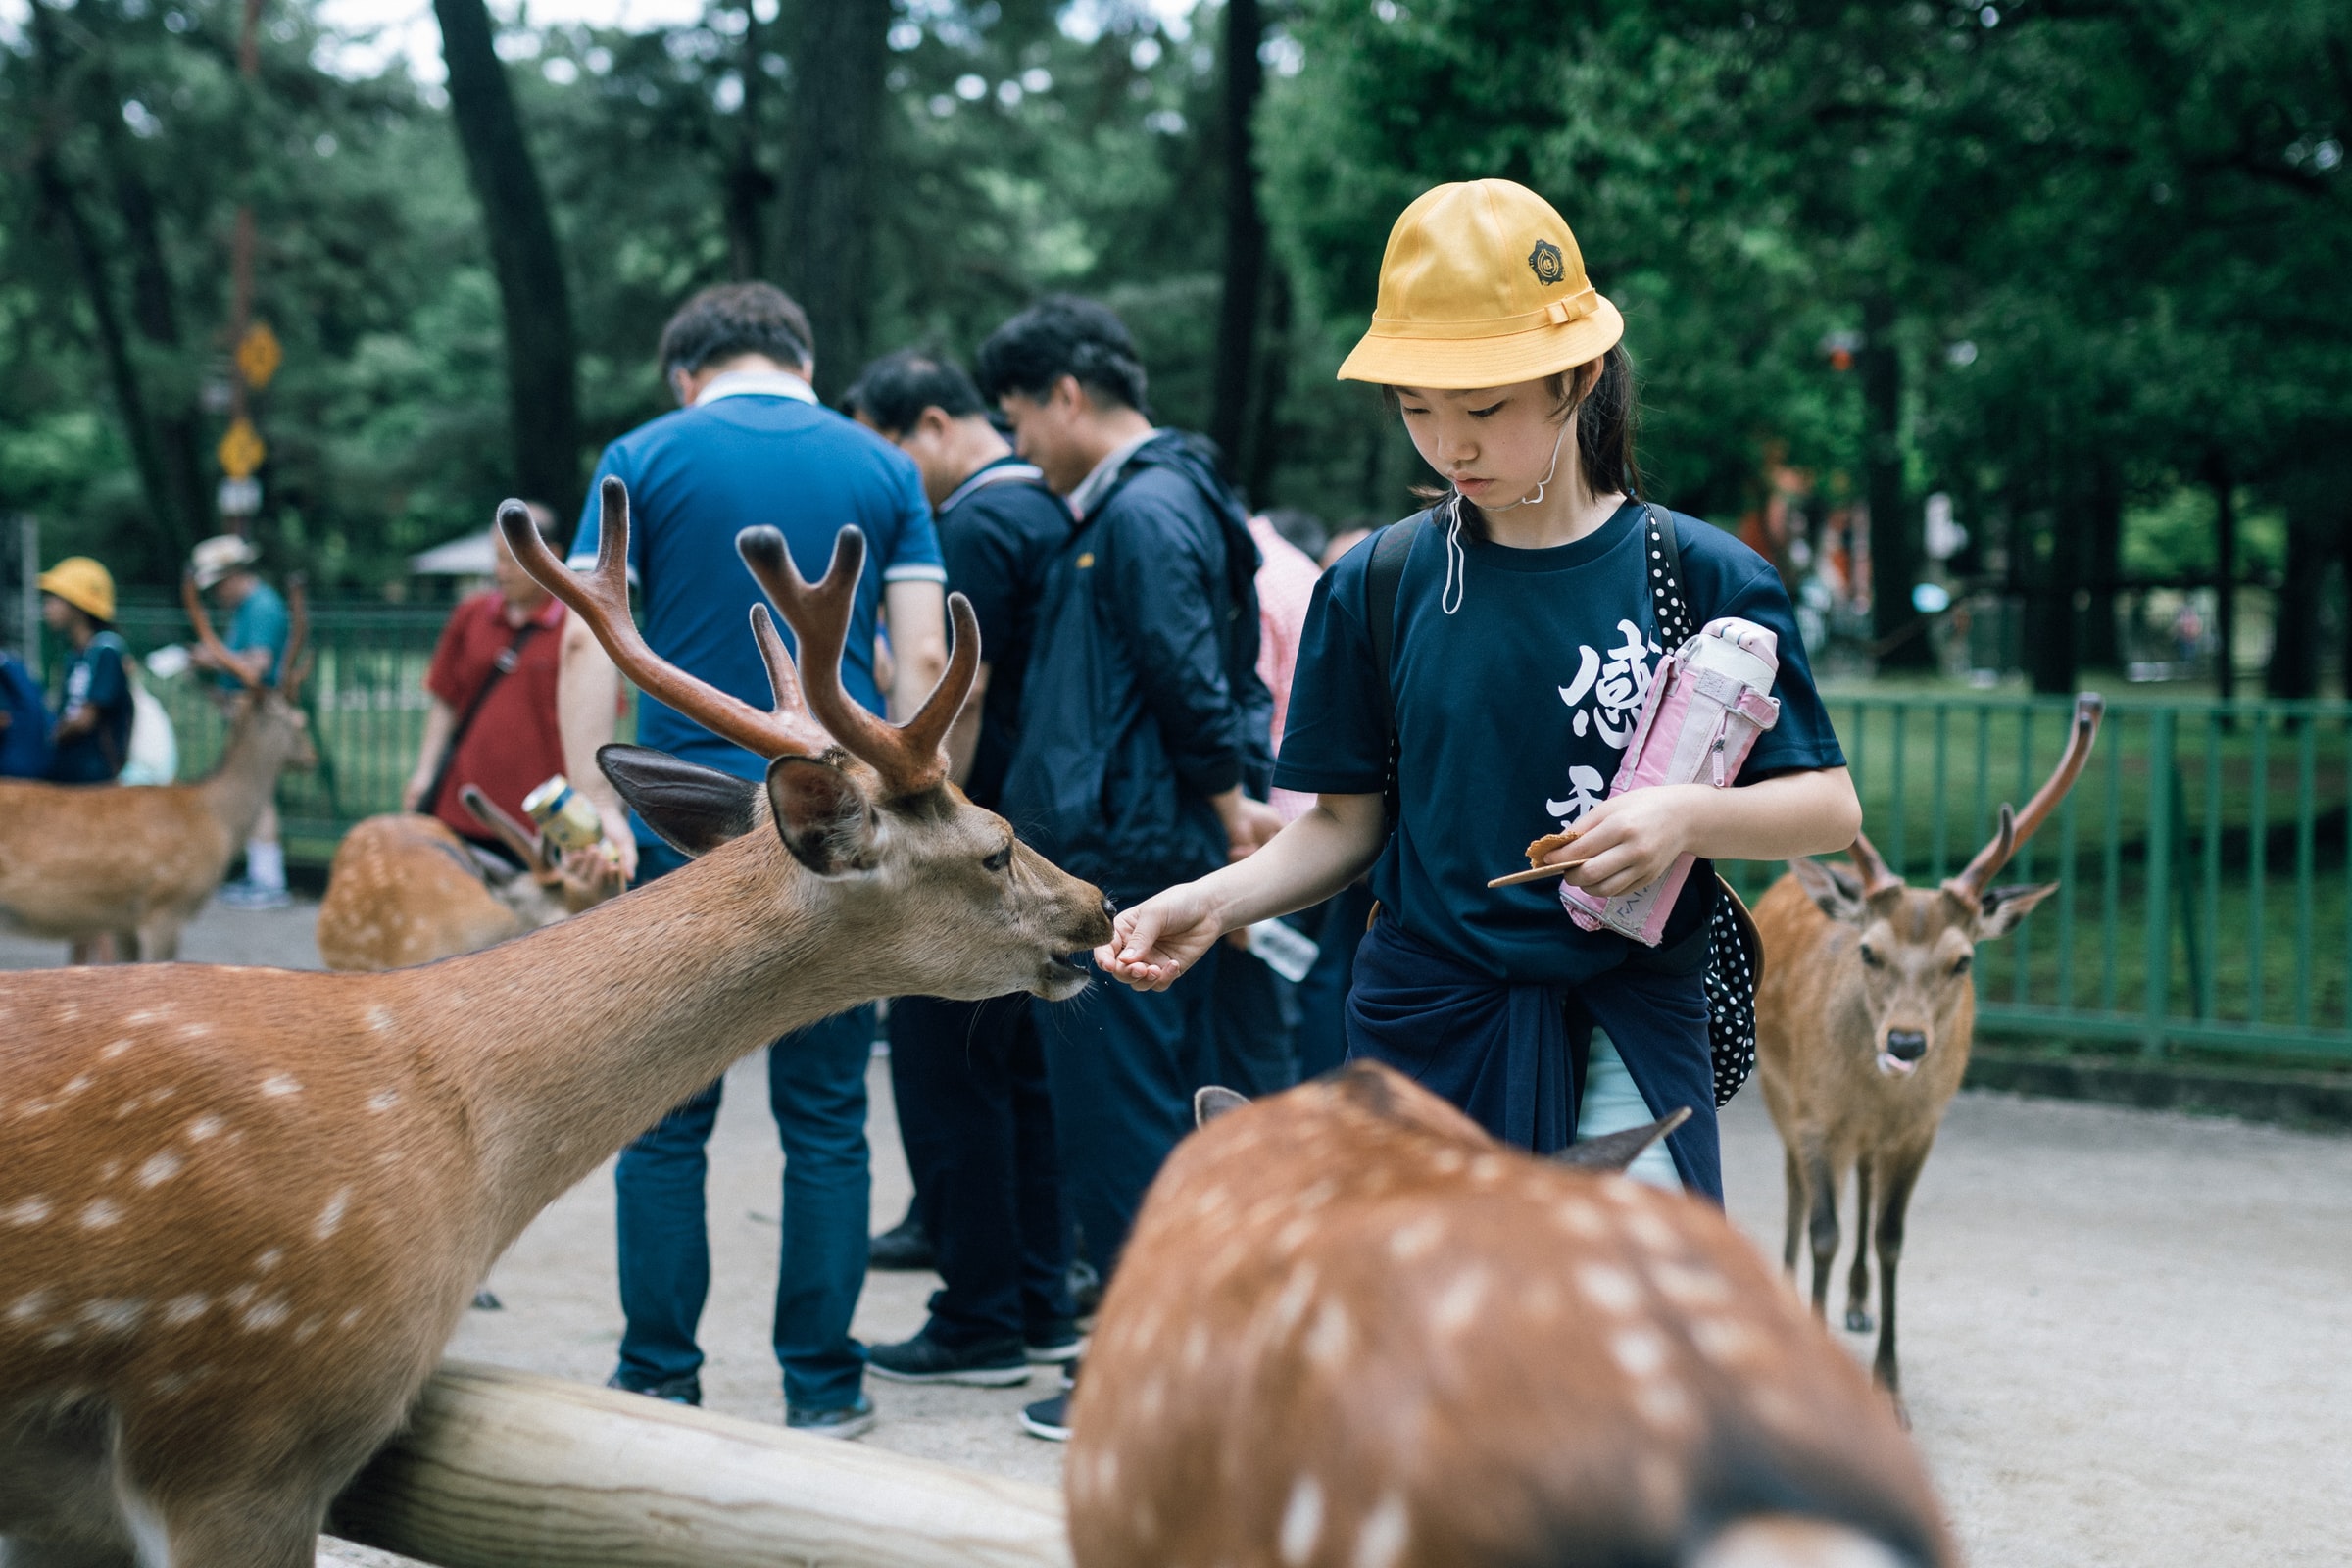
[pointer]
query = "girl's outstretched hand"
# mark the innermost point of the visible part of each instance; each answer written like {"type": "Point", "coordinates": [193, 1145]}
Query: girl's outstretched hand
{"type": "Point", "coordinates": [1156, 942]}
{"type": "Point", "coordinates": [1630, 841]}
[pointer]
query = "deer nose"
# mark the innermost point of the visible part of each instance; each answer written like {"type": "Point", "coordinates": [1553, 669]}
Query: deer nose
{"type": "Point", "coordinates": [1110, 907]}
{"type": "Point", "coordinates": [1907, 1045]}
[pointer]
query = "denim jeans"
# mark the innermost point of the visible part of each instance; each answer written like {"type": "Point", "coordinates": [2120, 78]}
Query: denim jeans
{"type": "Point", "coordinates": [978, 1124]}
{"type": "Point", "coordinates": [817, 1091]}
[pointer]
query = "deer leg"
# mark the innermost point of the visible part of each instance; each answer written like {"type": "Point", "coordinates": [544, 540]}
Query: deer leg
{"type": "Point", "coordinates": [1796, 1172]}
{"type": "Point", "coordinates": [1857, 1283]}
{"type": "Point", "coordinates": [159, 939]}
{"type": "Point", "coordinates": [1901, 1176]}
{"type": "Point", "coordinates": [56, 1502]}
{"type": "Point", "coordinates": [245, 1530]}
{"type": "Point", "coordinates": [1824, 1184]}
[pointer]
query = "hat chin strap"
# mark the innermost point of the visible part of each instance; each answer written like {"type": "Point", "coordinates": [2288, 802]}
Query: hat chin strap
{"type": "Point", "coordinates": [1537, 494]}
{"type": "Point", "coordinates": [1457, 566]}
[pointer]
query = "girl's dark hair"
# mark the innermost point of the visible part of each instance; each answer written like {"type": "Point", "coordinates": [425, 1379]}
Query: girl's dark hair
{"type": "Point", "coordinates": [1604, 430]}
{"type": "Point", "coordinates": [1063, 335]}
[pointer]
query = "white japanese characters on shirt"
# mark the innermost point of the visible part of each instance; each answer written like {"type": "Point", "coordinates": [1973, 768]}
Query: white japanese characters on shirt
{"type": "Point", "coordinates": [1605, 697]}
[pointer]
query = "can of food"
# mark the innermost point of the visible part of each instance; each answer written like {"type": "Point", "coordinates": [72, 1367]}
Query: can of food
{"type": "Point", "coordinates": [564, 816]}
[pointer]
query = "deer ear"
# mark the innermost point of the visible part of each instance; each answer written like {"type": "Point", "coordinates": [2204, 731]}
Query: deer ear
{"type": "Point", "coordinates": [1615, 1152]}
{"type": "Point", "coordinates": [1835, 889]}
{"type": "Point", "coordinates": [2003, 908]}
{"type": "Point", "coordinates": [823, 816]}
{"type": "Point", "coordinates": [1214, 1100]}
{"type": "Point", "coordinates": [696, 808]}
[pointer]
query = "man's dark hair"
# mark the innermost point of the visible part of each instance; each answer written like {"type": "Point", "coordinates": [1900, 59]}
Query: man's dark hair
{"type": "Point", "coordinates": [1063, 335]}
{"type": "Point", "coordinates": [892, 392]}
{"type": "Point", "coordinates": [1301, 527]}
{"type": "Point", "coordinates": [730, 319]}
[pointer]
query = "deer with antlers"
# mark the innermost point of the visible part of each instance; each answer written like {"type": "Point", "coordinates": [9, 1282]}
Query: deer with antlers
{"type": "Point", "coordinates": [404, 889]}
{"type": "Point", "coordinates": [84, 860]}
{"type": "Point", "coordinates": [242, 1209]}
{"type": "Point", "coordinates": [1864, 1019]}
{"type": "Point", "coordinates": [1352, 1329]}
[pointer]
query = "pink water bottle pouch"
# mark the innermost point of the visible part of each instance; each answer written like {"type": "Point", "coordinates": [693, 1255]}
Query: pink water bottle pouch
{"type": "Point", "coordinates": [1706, 705]}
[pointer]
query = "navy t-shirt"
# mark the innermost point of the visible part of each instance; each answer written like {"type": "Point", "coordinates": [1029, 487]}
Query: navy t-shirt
{"type": "Point", "coordinates": [999, 531]}
{"type": "Point", "coordinates": [94, 678]}
{"type": "Point", "coordinates": [700, 475]}
{"type": "Point", "coordinates": [1512, 715]}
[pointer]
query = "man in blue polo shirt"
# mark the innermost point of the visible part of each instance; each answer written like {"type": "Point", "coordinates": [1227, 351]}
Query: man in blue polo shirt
{"type": "Point", "coordinates": [750, 444]}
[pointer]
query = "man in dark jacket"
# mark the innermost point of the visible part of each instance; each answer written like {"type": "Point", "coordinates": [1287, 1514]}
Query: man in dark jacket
{"type": "Point", "coordinates": [969, 1078]}
{"type": "Point", "coordinates": [1142, 722]}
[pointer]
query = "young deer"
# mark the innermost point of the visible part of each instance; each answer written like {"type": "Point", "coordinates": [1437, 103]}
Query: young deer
{"type": "Point", "coordinates": [242, 1209]}
{"type": "Point", "coordinates": [1864, 1018]}
{"type": "Point", "coordinates": [1352, 1330]}
{"type": "Point", "coordinates": [82, 862]}
{"type": "Point", "coordinates": [404, 889]}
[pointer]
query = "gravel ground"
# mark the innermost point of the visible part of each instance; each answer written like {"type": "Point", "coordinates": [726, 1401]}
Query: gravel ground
{"type": "Point", "coordinates": [2124, 1331]}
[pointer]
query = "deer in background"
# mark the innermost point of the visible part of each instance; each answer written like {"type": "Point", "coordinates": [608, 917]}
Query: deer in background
{"type": "Point", "coordinates": [1352, 1330]}
{"type": "Point", "coordinates": [242, 1209]}
{"type": "Point", "coordinates": [85, 860]}
{"type": "Point", "coordinates": [1864, 1019]}
{"type": "Point", "coordinates": [405, 889]}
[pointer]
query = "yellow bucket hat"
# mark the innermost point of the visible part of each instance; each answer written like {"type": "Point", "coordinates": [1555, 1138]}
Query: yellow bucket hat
{"type": "Point", "coordinates": [83, 584]}
{"type": "Point", "coordinates": [1482, 285]}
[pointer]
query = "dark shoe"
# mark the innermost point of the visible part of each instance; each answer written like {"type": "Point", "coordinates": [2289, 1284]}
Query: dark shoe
{"type": "Point", "coordinates": [484, 1302]}
{"type": "Point", "coordinates": [905, 1245]}
{"type": "Point", "coordinates": [1049, 1419]}
{"type": "Point", "coordinates": [923, 1360]}
{"type": "Point", "coordinates": [687, 1389]}
{"type": "Point", "coordinates": [1085, 1289]}
{"type": "Point", "coordinates": [1051, 1347]}
{"type": "Point", "coordinates": [846, 1421]}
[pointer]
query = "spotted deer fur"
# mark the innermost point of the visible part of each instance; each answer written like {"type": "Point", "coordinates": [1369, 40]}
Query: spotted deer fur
{"type": "Point", "coordinates": [1864, 1021]}
{"type": "Point", "coordinates": [1352, 1330]}
{"type": "Point", "coordinates": [242, 1209]}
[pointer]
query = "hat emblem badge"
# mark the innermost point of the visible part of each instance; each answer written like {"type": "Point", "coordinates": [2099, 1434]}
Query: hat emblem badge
{"type": "Point", "coordinates": [1548, 265]}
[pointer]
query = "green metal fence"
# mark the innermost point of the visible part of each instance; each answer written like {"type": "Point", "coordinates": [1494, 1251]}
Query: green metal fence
{"type": "Point", "coordinates": [2203, 884]}
{"type": "Point", "coordinates": [2204, 898]}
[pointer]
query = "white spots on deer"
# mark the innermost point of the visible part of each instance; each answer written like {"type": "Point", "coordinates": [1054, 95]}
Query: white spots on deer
{"type": "Point", "coordinates": [1662, 1403]}
{"type": "Point", "coordinates": [1726, 1341]}
{"type": "Point", "coordinates": [1290, 1306]}
{"type": "Point", "coordinates": [1331, 1338]}
{"type": "Point", "coordinates": [380, 1017]}
{"type": "Point", "coordinates": [1146, 1523]}
{"type": "Point", "coordinates": [1380, 1539]}
{"type": "Point", "coordinates": [268, 1261]}
{"type": "Point", "coordinates": [1212, 1203]}
{"type": "Point", "coordinates": [25, 1211]}
{"type": "Point", "coordinates": [113, 1050]}
{"type": "Point", "coordinates": [1414, 1238]}
{"type": "Point", "coordinates": [1610, 1289]}
{"type": "Point", "coordinates": [1302, 1522]}
{"type": "Point", "coordinates": [1652, 1232]}
{"type": "Point", "coordinates": [194, 1031]}
{"type": "Point", "coordinates": [1579, 1217]}
{"type": "Point", "coordinates": [181, 1310]}
{"type": "Point", "coordinates": [309, 1329]}
{"type": "Point", "coordinates": [1458, 1303]}
{"type": "Point", "coordinates": [146, 1016]}
{"type": "Point", "coordinates": [349, 1320]}
{"type": "Point", "coordinates": [330, 1218]}
{"type": "Point", "coordinates": [1639, 1352]}
{"type": "Point", "coordinates": [74, 1086]}
{"type": "Point", "coordinates": [267, 1313]}
{"type": "Point", "coordinates": [25, 1308]}
{"type": "Point", "coordinates": [204, 1129]}
{"type": "Point", "coordinates": [101, 1213]}
{"type": "Point", "coordinates": [1294, 1234]}
{"type": "Point", "coordinates": [110, 1170]}
{"type": "Point", "coordinates": [1688, 1285]}
{"type": "Point", "coordinates": [1447, 1161]}
{"type": "Point", "coordinates": [280, 1084]}
{"type": "Point", "coordinates": [1196, 1347]}
{"type": "Point", "coordinates": [1488, 1169]}
{"type": "Point", "coordinates": [160, 1167]}
{"type": "Point", "coordinates": [113, 1317]}
{"type": "Point", "coordinates": [383, 1099]}
{"type": "Point", "coordinates": [1150, 1397]}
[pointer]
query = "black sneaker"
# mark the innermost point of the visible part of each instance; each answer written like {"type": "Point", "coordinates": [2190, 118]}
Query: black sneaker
{"type": "Point", "coordinates": [1051, 1346]}
{"type": "Point", "coordinates": [686, 1389]}
{"type": "Point", "coordinates": [1086, 1289]}
{"type": "Point", "coordinates": [845, 1421]}
{"type": "Point", "coordinates": [485, 1302]}
{"type": "Point", "coordinates": [905, 1245]}
{"type": "Point", "coordinates": [923, 1360]}
{"type": "Point", "coordinates": [1049, 1419]}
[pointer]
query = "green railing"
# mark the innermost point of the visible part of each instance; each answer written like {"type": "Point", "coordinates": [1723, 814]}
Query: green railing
{"type": "Point", "coordinates": [2203, 884]}
{"type": "Point", "coordinates": [2204, 890]}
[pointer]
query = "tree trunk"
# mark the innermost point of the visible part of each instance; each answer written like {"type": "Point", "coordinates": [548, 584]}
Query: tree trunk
{"type": "Point", "coordinates": [2053, 611]}
{"type": "Point", "coordinates": [2103, 523]}
{"type": "Point", "coordinates": [1244, 235]}
{"type": "Point", "coordinates": [840, 55]}
{"type": "Point", "coordinates": [2225, 574]}
{"type": "Point", "coordinates": [542, 396]}
{"type": "Point", "coordinates": [1265, 437]}
{"type": "Point", "coordinates": [1893, 537]}
{"type": "Point", "coordinates": [2295, 667]}
{"type": "Point", "coordinates": [750, 187]}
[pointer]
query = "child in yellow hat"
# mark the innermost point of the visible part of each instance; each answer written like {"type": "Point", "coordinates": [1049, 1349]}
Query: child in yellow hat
{"type": "Point", "coordinates": [92, 736]}
{"type": "Point", "coordinates": [1520, 631]}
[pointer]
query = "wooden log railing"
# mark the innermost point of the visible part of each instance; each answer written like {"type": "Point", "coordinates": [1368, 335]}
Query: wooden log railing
{"type": "Point", "coordinates": [501, 1469]}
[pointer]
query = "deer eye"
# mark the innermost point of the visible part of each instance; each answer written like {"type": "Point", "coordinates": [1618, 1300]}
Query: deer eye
{"type": "Point", "coordinates": [1870, 956]}
{"type": "Point", "coordinates": [1961, 963]}
{"type": "Point", "coordinates": [1001, 860]}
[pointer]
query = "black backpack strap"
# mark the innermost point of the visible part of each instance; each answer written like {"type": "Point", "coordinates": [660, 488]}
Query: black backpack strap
{"type": "Point", "coordinates": [1383, 578]}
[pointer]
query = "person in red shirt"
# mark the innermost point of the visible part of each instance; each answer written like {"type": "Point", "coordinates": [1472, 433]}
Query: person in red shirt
{"type": "Point", "coordinates": [490, 726]}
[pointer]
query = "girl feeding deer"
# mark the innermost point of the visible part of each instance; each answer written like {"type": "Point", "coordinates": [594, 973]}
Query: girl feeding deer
{"type": "Point", "coordinates": [1505, 640]}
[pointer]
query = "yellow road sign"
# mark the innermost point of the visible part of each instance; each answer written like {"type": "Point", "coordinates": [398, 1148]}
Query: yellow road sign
{"type": "Point", "coordinates": [241, 449]}
{"type": "Point", "coordinates": [259, 355]}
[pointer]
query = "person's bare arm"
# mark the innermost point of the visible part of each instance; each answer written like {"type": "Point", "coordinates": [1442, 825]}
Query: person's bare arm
{"type": "Point", "coordinates": [1307, 862]}
{"type": "Point", "coordinates": [587, 698]}
{"type": "Point", "coordinates": [918, 613]}
{"type": "Point", "coordinates": [964, 741]}
{"type": "Point", "coordinates": [1630, 841]}
{"type": "Point", "coordinates": [439, 720]}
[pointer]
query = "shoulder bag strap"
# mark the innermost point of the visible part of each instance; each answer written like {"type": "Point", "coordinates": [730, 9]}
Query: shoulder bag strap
{"type": "Point", "coordinates": [500, 667]}
{"type": "Point", "coordinates": [1676, 622]}
{"type": "Point", "coordinates": [1384, 579]}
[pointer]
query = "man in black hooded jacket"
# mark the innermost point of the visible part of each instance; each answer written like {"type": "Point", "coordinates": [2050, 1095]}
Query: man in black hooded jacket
{"type": "Point", "coordinates": [1145, 735]}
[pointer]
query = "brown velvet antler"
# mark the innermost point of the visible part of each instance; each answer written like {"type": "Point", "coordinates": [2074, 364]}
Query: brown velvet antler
{"type": "Point", "coordinates": [2017, 827]}
{"type": "Point", "coordinates": [193, 601]}
{"type": "Point", "coordinates": [907, 756]}
{"type": "Point", "coordinates": [1875, 877]}
{"type": "Point", "coordinates": [600, 599]}
{"type": "Point", "coordinates": [293, 665]}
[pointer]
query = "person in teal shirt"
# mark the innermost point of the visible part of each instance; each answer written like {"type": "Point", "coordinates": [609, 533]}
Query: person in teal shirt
{"type": "Point", "coordinates": [258, 627]}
